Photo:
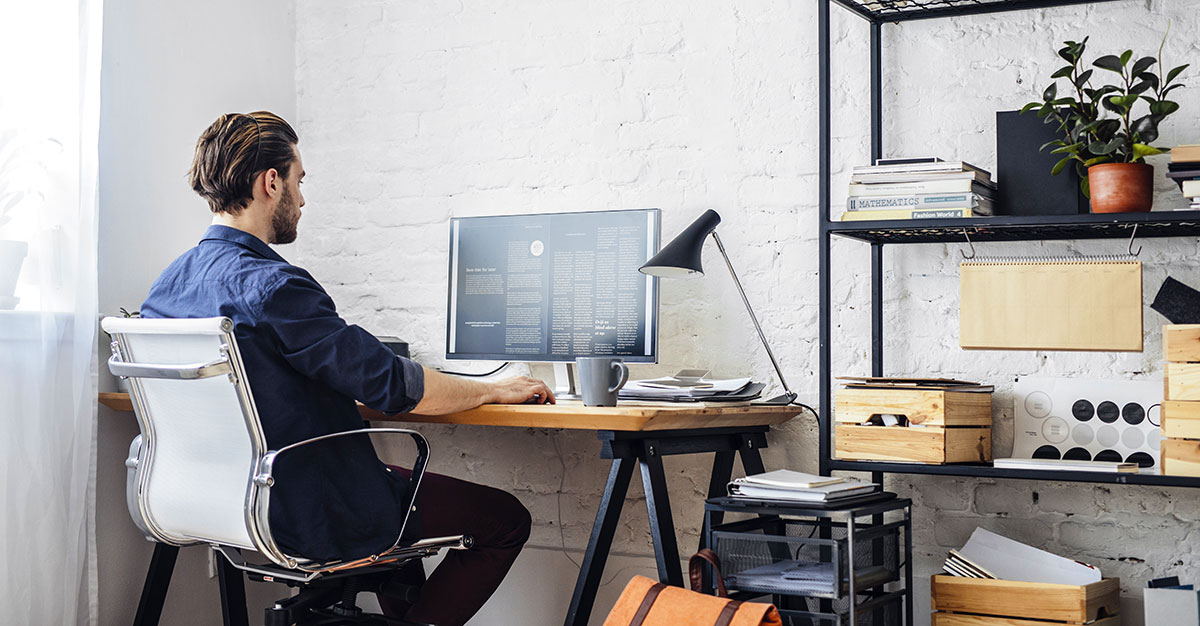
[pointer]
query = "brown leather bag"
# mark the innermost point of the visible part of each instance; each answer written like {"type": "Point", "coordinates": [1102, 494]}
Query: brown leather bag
{"type": "Point", "coordinates": [648, 603]}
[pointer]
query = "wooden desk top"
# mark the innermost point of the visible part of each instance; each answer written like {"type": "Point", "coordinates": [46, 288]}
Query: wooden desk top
{"type": "Point", "coordinates": [626, 417]}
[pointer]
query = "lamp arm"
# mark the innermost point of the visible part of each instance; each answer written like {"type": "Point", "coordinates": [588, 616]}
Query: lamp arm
{"type": "Point", "coordinates": [753, 317]}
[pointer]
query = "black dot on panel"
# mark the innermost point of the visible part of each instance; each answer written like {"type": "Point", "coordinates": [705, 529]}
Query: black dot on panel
{"type": "Point", "coordinates": [1077, 454]}
{"type": "Point", "coordinates": [1133, 413]}
{"type": "Point", "coordinates": [1112, 456]}
{"type": "Point", "coordinates": [1141, 458]}
{"type": "Point", "coordinates": [1083, 410]}
{"type": "Point", "coordinates": [1108, 412]}
{"type": "Point", "coordinates": [1047, 452]}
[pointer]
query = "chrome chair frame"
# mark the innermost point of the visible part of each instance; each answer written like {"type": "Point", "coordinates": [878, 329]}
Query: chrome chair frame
{"type": "Point", "coordinates": [292, 569]}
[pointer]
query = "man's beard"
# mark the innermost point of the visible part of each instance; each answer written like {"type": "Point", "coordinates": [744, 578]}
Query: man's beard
{"type": "Point", "coordinates": [285, 218]}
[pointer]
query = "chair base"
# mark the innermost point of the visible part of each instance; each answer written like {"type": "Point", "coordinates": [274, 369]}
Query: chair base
{"type": "Point", "coordinates": [333, 601]}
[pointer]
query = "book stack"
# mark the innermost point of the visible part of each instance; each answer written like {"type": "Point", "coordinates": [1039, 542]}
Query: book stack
{"type": "Point", "coordinates": [798, 487]}
{"type": "Point", "coordinates": [1185, 170]}
{"type": "Point", "coordinates": [927, 188]}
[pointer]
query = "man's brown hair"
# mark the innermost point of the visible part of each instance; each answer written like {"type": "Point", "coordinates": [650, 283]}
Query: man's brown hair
{"type": "Point", "coordinates": [233, 150]}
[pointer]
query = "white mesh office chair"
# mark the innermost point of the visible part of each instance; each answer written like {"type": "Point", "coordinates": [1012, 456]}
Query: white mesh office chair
{"type": "Point", "coordinates": [201, 473]}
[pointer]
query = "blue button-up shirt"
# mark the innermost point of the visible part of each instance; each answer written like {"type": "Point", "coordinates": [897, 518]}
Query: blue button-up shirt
{"type": "Point", "coordinates": [305, 367]}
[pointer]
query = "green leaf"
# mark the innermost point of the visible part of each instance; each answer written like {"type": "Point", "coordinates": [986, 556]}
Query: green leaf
{"type": "Point", "coordinates": [1171, 88]}
{"type": "Point", "coordinates": [1096, 161]}
{"type": "Point", "coordinates": [1151, 78]}
{"type": "Point", "coordinates": [1085, 187]}
{"type": "Point", "coordinates": [1141, 151]}
{"type": "Point", "coordinates": [1164, 108]}
{"type": "Point", "coordinates": [1063, 72]}
{"type": "Point", "coordinates": [1066, 54]}
{"type": "Point", "coordinates": [1060, 166]}
{"type": "Point", "coordinates": [1141, 87]}
{"type": "Point", "coordinates": [1071, 149]}
{"type": "Point", "coordinates": [1109, 62]}
{"type": "Point", "coordinates": [1029, 107]}
{"type": "Point", "coordinates": [1113, 103]}
{"type": "Point", "coordinates": [1125, 56]}
{"type": "Point", "coordinates": [1175, 72]}
{"type": "Point", "coordinates": [1145, 129]}
{"type": "Point", "coordinates": [1051, 92]}
{"type": "Point", "coordinates": [1083, 78]}
{"type": "Point", "coordinates": [1142, 65]}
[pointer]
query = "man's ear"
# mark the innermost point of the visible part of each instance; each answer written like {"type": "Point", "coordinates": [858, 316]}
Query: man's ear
{"type": "Point", "coordinates": [272, 183]}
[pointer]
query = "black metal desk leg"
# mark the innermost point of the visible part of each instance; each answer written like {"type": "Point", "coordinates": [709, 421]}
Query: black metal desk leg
{"type": "Point", "coordinates": [718, 484]}
{"type": "Point", "coordinates": [600, 542]}
{"type": "Point", "coordinates": [658, 505]}
{"type": "Point", "coordinates": [158, 580]}
{"type": "Point", "coordinates": [751, 460]}
{"type": "Point", "coordinates": [233, 593]}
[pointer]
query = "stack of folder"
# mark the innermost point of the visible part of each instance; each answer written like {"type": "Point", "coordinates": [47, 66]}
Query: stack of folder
{"type": "Point", "coordinates": [793, 486]}
{"type": "Point", "coordinates": [699, 390]}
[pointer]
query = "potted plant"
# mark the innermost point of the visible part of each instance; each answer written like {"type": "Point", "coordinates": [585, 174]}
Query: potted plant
{"type": "Point", "coordinates": [1102, 135]}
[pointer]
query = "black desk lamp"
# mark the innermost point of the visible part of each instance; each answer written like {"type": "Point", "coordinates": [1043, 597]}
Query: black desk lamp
{"type": "Point", "coordinates": [681, 257]}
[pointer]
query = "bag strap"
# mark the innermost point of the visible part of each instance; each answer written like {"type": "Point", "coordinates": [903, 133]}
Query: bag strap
{"type": "Point", "coordinates": [696, 571]}
{"type": "Point", "coordinates": [647, 602]}
{"type": "Point", "coordinates": [727, 613]}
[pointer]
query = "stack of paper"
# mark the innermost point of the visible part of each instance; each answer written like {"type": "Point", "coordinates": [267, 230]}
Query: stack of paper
{"type": "Point", "coordinates": [988, 555]}
{"type": "Point", "coordinates": [798, 487]}
{"type": "Point", "coordinates": [699, 390]}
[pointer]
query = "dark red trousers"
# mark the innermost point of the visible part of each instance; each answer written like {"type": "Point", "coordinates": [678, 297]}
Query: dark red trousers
{"type": "Point", "coordinates": [465, 579]}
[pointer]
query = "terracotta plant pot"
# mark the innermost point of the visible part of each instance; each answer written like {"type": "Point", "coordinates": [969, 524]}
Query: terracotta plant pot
{"type": "Point", "coordinates": [1121, 187]}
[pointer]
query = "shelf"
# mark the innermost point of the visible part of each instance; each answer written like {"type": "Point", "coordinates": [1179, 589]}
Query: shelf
{"type": "Point", "coordinates": [1023, 228]}
{"type": "Point", "coordinates": [904, 10]}
{"type": "Point", "coordinates": [987, 471]}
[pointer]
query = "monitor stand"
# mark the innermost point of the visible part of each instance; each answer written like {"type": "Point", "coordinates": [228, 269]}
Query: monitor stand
{"type": "Point", "coordinates": [564, 382]}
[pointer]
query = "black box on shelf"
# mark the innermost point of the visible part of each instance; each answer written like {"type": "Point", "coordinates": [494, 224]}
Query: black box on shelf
{"type": "Point", "coordinates": [1025, 185]}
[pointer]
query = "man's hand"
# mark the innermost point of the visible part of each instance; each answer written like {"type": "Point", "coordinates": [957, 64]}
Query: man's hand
{"type": "Point", "coordinates": [519, 390]}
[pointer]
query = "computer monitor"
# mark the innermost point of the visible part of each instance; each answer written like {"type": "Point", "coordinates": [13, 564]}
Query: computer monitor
{"type": "Point", "coordinates": [553, 287]}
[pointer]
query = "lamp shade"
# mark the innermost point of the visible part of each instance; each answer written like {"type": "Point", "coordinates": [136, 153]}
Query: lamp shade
{"type": "Point", "coordinates": [682, 255]}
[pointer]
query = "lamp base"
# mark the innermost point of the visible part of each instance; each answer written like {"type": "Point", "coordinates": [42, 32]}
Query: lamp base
{"type": "Point", "coordinates": [780, 400]}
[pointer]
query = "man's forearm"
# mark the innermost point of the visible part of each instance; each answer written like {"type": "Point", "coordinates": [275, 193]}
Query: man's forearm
{"type": "Point", "coordinates": [450, 394]}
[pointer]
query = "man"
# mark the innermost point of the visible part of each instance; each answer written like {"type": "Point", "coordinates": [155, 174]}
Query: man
{"type": "Point", "coordinates": [306, 367]}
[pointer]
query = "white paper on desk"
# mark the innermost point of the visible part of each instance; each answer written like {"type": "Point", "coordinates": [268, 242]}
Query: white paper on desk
{"type": "Point", "coordinates": [641, 389]}
{"type": "Point", "coordinates": [1013, 560]}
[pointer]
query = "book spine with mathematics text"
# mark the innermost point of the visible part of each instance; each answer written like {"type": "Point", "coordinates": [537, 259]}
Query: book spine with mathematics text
{"type": "Point", "coordinates": [928, 201]}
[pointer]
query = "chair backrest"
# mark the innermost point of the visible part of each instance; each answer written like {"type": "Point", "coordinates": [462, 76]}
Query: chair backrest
{"type": "Point", "coordinates": [202, 440]}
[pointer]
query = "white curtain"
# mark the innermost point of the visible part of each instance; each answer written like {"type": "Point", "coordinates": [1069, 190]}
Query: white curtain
{"type": "Point", "coordinates": [49, 114]}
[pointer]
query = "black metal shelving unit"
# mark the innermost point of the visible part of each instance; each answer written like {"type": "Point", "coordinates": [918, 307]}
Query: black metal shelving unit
{"type": "Point", "coordinates": [882, 233]}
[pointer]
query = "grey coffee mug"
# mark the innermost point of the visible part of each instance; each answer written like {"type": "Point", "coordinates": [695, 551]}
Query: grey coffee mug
{"type": "Point", "coordinates": [600, 378]}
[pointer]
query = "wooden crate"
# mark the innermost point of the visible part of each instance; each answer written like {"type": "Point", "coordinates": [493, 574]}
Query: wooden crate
{"type": "Point", "coordinates": [1181, 420]}
{"type": "Point", "coordinates": [1181, 343]}
{"type": "Point", "coordinates": [920, 406]}
{"type": "Point", "coordinates": [1180, 457]}
{"type": "Point", "coordinates": [973, 601]}
{"type": "Point", "coordinates": [1181, 381]}
{"type": "Point", "coordinates": [928, 445]}
{"type": "Point", "coordinates": [954, 426]}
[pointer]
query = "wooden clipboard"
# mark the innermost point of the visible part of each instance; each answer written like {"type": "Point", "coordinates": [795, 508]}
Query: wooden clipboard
{"type": "Point", "coordinates": [1051, 304]}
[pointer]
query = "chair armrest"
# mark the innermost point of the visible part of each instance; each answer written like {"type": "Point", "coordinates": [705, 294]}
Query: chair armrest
{"type": "Point", "coordinates": [170, 372]}
{"type": "Point", "coordinates": [266, 478]}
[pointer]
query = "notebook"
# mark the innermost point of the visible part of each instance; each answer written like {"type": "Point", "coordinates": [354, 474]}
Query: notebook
{"type": "Point", "coordinates": [1051, 304]}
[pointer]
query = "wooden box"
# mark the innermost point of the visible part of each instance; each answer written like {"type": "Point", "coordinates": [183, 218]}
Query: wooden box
{"type": "Point", "coordinates": [1181, 343]}
{"type": "Point", "coordinates": [1180, 451]}
{"type": "Point", "coordinates": [944, 426]}
{"type": "Point", "coordinates": [978, 602]}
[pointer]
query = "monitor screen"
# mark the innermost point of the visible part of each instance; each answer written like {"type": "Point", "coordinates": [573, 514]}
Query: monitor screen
{"type": "Point", "coordinates": [553, 287]}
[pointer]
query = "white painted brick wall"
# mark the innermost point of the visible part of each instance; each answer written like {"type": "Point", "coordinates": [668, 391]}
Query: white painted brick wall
{"type": "Point", "coordinates": [412, 112]}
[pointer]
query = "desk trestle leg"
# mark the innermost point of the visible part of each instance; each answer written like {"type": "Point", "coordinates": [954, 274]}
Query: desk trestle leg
{"type": "Point", "coordinates": [603, 530]}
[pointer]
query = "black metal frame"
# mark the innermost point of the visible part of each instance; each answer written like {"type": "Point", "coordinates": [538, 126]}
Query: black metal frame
{"type": "Point", "coordinates": [715, 509]}
{"type": "Point", "coordinates": [645, 449]}
{"type": "Point", "coordinates": [1001, 228]}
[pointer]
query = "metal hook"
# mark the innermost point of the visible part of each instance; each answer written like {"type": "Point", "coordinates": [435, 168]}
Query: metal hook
{"type": "Point", "coordinates": [1131, 238]}
{"type": "Point", "coordinates": [968, 238]}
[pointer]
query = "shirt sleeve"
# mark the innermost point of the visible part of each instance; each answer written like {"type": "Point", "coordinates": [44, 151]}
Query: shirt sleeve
{"type": "Point", "coordinates": [318, 343]}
